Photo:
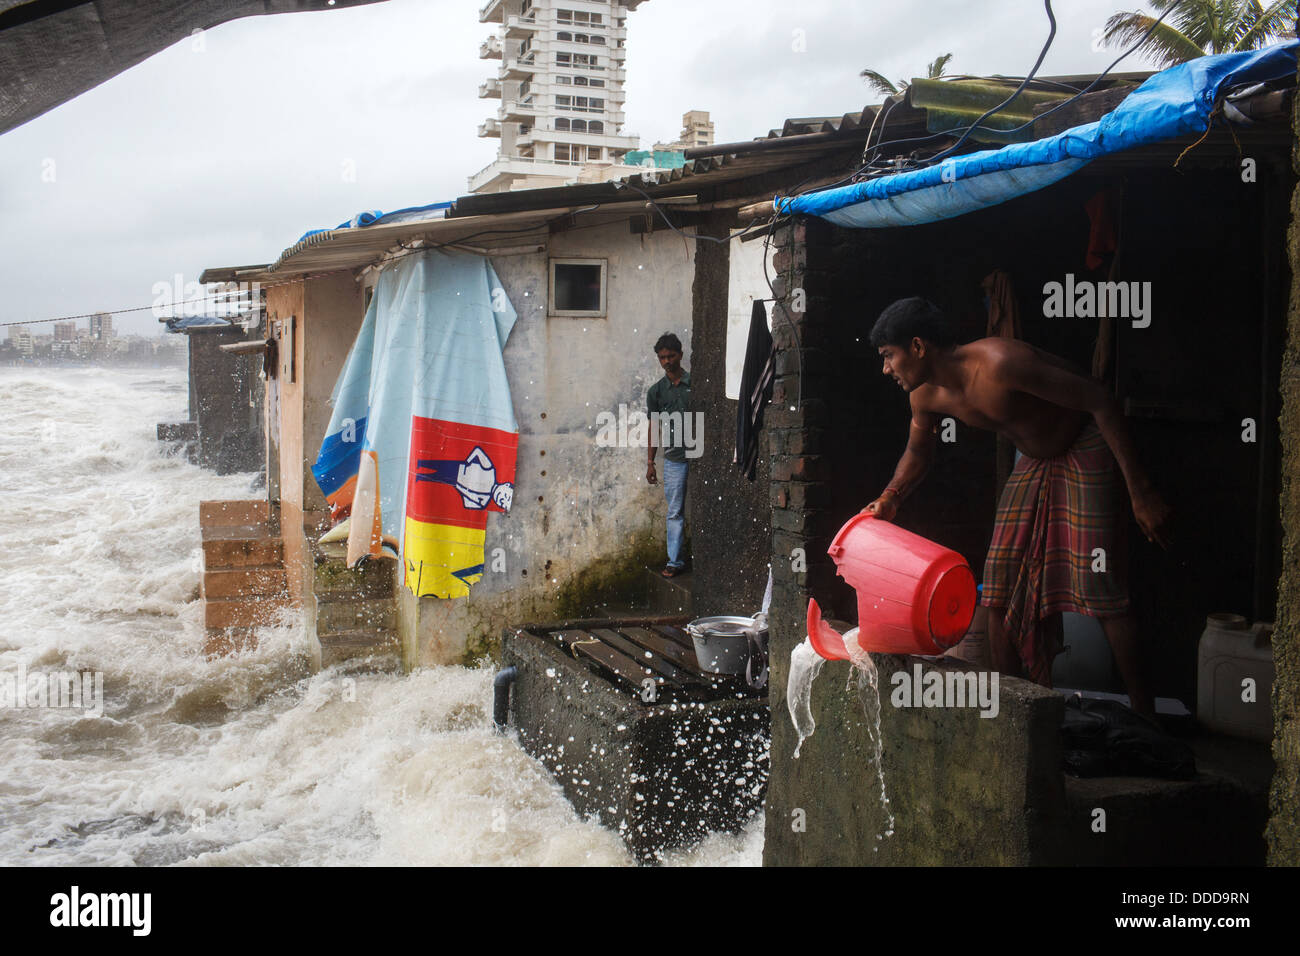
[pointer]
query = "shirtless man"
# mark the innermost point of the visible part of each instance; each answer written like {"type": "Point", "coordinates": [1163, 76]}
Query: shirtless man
{"type": "Point", "coordinates": [1071, 434]}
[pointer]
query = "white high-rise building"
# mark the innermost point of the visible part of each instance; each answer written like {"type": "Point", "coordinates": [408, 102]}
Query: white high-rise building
{"type": "Point", "coordinates": [560, 84]}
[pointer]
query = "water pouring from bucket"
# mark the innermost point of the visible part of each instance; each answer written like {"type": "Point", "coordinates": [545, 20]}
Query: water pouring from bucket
{"type": "Point", "coordinates": [914, 596]}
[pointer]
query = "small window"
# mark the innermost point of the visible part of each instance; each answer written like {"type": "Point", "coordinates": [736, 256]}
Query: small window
{"type": "Point", "coordinates": [580, 81]}
{"type": "Point", "coordinates": [579, 126]}
{"type": "Point", "coordinates": [562, 124]}
{"type": "Point", "coordinates": [578, 288]}
{"type": "Point", "coordinates": [595, 126]}
{"type": "Point", "coordinates": [564, 35]}
{"type": "Point", "coordinates": [563, 59]}
{"type": "Point", "coordinates": [563, 100]}
{"type": "Point", "coordinates": [593, 81]}
{"type": "Point", "coordinates": [597, 38]}
{"type": "Point", "coordinates": [564, 80]}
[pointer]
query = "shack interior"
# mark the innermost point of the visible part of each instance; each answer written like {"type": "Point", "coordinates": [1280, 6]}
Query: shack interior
{"type": "Point", "coordinates": [1199, 385]}
{"type": "Point", "coordinates": [1192, 382]}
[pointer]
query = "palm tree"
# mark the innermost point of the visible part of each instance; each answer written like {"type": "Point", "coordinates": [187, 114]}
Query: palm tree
{"type": "Point", "coordinates": [1197, 27]}
{"type": "Point", "coordinates": [933, 71]}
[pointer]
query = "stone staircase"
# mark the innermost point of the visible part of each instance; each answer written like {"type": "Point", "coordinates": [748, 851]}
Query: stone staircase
{"type": "Point", "coordinates": [356, 612]}
{"type": "Point", "coordinates": [243, 585]}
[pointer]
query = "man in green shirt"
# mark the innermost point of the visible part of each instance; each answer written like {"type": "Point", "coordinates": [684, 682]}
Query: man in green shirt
{"type": "Point", "coordinates": [668, 402]}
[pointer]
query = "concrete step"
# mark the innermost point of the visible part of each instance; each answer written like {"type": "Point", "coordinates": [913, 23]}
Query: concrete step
{"type": "Point", "coordinates": [259, 581]}
{"type": "Point", "coordinates": [219, 513]}
{"type": "Point", "coordinates": [241, 547]}
{"type": "Point", "coordinates": [381, 646]}
{"type": "Point", "coordinates": [668, 595]}
{"type": "Point", "coordinates": [335, 581]}
{"type": "Point", "coordinates": [243, 612]}
{"type": "Point", "coordinates": [339, 616]}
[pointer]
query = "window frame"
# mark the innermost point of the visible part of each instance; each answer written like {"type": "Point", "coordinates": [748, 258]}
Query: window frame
{"type": "Point", "coordinates": [553, 312]}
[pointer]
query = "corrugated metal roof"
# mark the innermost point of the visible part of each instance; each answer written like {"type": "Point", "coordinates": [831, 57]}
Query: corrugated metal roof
{"type": "Point", "coordinates": [355, 248]}
{"type": "Point", "coordinates": [476, 217]}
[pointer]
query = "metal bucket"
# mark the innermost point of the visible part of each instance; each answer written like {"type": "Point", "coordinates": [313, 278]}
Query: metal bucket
{"type": "Point", "coordinates": [731, 645]}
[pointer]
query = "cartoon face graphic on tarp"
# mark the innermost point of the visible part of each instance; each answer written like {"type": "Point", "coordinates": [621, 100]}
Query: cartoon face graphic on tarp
{"type": "Point", "coordinates": [458, 474]}
{"type": "Point", "coordinates": [422, 440]}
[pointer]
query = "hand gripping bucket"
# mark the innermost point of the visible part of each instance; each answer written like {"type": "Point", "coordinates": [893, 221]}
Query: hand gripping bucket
{"type": "Point", "coordinates": [914, 596]}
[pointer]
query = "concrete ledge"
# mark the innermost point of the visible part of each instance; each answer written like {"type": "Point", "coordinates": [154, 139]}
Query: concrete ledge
{"type": "Point", "coordinates": [378, 650]}
{"type": "Point", "coordinates": [662, 776]}
{"type": "Point", "coordinates": [350, 614]}
{"type": "Point", "coordinates": [964, 790]}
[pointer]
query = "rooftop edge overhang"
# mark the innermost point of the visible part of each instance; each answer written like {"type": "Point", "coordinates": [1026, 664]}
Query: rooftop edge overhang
{"type": "Point", "coordinates": [54, 50]}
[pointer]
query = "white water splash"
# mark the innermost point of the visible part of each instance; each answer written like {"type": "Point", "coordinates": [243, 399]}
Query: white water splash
{"type": "Point", "coordinates": [869, 694]}
{"type": "Point", "coordinates": [245, 760]}
{"type": "Point", "coordinates": [805, 665]}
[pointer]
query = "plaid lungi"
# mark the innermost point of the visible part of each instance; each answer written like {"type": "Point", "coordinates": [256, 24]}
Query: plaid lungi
{"type": "Point", "coordinates": [1053, 515]}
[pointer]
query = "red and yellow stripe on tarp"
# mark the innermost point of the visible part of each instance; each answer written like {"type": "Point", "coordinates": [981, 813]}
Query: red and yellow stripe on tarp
{"type": "Point", "coordinates": [453, 471]}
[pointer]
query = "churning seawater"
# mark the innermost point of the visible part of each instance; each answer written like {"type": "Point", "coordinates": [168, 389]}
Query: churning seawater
{"type": "Point", "coordinates": [252, 759]}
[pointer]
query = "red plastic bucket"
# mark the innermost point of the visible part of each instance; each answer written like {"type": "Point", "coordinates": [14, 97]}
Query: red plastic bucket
{"type": "Point", "coordinates": [914, 596]}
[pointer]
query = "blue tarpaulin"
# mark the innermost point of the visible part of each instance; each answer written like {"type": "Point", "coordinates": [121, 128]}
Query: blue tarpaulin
{"type": "Point", "coordinates": [1173, 103]}
{"type": "Point", "coordinates": [373, 217]}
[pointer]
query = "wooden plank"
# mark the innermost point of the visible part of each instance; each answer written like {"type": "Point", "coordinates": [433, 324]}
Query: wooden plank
{"type": "Point", "coordinates": [648, 658]}
{"type": "Point", "coordinates": [676, 634]}
{"type": "Point", "coordinates": [683, 657]}
{"type": "Point", "coordinates": [583, 644]}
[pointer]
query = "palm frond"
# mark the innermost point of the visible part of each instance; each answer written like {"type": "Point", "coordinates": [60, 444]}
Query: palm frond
{"type": "Point", "coordinates": [878, 82]}
{"type": "Point", "coordinates": [938, 67]}
{"type": "Point", "coordinates": [1167, 45]}
{"type": "Point", "coordinates": [1276, 21]}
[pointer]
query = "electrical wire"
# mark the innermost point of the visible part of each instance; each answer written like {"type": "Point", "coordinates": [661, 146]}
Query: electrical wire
{"type": "Point", "coordinates": [958, 129]}
{"type": "Point", "coordinates": [866, 162]}
{"type": "Point", "coordinates": [1051, 35]}
{"type": "Point", "coordinates": [218, 296]}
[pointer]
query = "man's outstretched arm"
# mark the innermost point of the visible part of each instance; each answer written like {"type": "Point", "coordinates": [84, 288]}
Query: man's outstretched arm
{"type": "Point", "coordinates": [912, 466]}
{"type": "Point", "coordinates": [1060, 386]}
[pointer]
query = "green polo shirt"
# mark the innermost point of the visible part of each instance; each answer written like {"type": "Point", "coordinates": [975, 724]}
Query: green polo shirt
{"type": "Point", "coordinates": [664, 396]}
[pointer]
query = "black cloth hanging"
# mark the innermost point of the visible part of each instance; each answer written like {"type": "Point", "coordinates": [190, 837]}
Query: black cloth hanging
{"type": "Point", "coordinates": [756, 383]}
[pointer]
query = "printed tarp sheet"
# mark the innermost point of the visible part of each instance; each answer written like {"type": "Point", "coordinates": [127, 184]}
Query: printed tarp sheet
{"type": "Point", "coordinates": [1172, 103]}
{"type": "Point", "coordinates": [422, 441]}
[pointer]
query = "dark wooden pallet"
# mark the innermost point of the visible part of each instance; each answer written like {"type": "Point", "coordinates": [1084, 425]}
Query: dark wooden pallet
{"type": "Point", "coordinates": [630, 652]}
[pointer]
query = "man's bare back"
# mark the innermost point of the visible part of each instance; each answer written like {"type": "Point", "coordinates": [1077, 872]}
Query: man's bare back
{"type": "Point", "coordinates": [1037, 400]}
{"type": "Point", "coordinates": [1033, 398]}
{"type": "Point", "coordinates": [984, 396]}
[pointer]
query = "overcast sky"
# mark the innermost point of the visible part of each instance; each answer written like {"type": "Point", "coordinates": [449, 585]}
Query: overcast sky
{"type": "Point", "coordinates": [224, 151]}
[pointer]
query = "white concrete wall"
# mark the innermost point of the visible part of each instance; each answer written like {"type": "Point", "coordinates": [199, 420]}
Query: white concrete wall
{"type": "Point", "coordinates": [747, 283]}
{"type": "Point", "coordinates": [577, 507]}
